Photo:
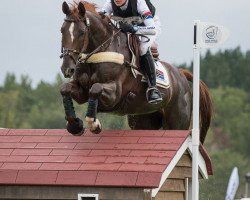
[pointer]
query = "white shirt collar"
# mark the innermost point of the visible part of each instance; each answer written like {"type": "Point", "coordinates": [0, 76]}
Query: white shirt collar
{"type": "Point", "coordinates": [125, 6]}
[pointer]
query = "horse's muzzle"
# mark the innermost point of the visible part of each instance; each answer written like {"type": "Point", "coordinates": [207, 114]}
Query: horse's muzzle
{"type": "Point", "coordinates": [68, 73]}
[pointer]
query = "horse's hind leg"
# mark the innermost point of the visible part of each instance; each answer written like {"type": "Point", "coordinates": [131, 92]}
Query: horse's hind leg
{"type": "Point", "coordinates": [152, 121]}
{"type": "Point", "coordinates": [177, 116]}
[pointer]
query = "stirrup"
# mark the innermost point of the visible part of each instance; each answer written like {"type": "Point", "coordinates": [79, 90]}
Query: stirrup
{"type": "Point", "coordinates": [153, 101]}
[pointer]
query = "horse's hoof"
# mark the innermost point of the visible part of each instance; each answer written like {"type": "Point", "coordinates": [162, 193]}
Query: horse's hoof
{"type": "Point", "coordinates": [76, 128]}
{"type": "Point", "coordinates": [97, 130]}
{"type": "Point", "coordinates": [94, 125]}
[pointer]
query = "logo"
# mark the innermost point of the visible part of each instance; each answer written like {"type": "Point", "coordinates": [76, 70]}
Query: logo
{"type": "Point", "coordinates": [212, 32]}
{"type": "Point", "coordinates": [160, 75]}
{"type": "Point", "coordinates": [212, 35]}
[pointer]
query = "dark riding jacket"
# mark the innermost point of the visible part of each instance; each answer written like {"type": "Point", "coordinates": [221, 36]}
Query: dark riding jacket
{"type": "Point", "coordinates": [131, 10]}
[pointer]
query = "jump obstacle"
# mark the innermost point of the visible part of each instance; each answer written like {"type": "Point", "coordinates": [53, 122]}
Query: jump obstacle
{"type": "Point", "coordinates": [114, 165]}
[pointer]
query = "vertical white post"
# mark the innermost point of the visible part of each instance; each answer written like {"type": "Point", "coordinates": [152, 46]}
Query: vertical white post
{"type": "Point", "coordinates": [187, 189]}
{"type": "Point", "coordinates": [196, 113]}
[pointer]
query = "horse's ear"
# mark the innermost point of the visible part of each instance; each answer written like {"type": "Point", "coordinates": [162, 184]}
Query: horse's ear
{"type": "Point", "coordinates": [81, 9]}
{"type": "Point", "coordinates": [65, 8]}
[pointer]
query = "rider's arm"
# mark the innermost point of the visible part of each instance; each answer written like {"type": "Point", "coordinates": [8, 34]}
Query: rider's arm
{"type": "Point", "coordinates": [148, 20]}
{"type": "Point", "coordinates": [107, 8]}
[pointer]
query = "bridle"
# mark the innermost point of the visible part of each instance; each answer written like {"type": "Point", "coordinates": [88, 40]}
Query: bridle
{"type": "Point", "coordinates": [69, 52]}
{"type": "Point", "coordinates": [72, 52]}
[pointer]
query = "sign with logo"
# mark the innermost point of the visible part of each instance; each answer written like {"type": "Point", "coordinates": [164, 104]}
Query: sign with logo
{"type": "Point", "coordinates": [212, 35]}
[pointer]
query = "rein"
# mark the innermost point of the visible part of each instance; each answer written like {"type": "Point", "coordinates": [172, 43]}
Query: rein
{"type": "Point", "coordinates": [83, 58]}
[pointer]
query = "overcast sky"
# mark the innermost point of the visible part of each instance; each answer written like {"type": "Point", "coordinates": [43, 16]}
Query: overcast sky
{"type": "Point", "coordinates": [30, 32]}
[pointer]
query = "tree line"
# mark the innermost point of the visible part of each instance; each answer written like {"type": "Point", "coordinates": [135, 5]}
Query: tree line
{"type": "Point", "coordinates": [225, 72]}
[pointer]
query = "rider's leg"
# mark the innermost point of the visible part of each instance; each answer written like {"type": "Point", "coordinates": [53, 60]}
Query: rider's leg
{"type": "Point", "coordinates": [154, 95]}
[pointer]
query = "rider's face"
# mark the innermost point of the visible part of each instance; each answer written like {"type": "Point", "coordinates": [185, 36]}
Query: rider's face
{"type": "Point", "coordinates": [120, 2]}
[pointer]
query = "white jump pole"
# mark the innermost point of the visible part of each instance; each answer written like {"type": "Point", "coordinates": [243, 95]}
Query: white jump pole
{"type": "Point", "coordinates": [206, 35]}
{"type": "Point", "coordinates": [196, 112]}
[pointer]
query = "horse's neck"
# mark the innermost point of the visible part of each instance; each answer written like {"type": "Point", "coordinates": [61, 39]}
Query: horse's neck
{"type": "Point", "coordinates": [99, 32]}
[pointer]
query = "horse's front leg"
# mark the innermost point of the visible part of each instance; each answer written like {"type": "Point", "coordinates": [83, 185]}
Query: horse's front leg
{"type": "Point", "coordinates": [107, 95]}
{"type": "Point", "coordinates": [92, 122]}
{"type": "Point", "coordinates": [68, 91]}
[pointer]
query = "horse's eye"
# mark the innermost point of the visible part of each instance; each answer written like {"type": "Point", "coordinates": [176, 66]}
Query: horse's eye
{"type": "Point", "coordinates": [82, 28]}
{"type": "Point", "coordinates": [81, 31]}
{"type": "Point", "coordinates": [62, 30]}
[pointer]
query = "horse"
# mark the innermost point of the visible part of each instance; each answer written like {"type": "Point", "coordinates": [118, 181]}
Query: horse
{"type": "Point", "coordinates": [95, 56]}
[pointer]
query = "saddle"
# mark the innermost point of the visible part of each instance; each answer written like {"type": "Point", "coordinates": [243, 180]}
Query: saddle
{"type": "Point", "coordinates": [134, 45]}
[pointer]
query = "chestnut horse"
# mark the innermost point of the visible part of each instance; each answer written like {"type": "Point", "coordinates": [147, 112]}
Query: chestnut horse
{"type": "Point", "coordinates": [108, 85]}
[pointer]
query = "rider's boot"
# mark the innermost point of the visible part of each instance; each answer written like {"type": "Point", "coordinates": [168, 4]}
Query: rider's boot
{"type": "Point", "coordinates": [153, 94]}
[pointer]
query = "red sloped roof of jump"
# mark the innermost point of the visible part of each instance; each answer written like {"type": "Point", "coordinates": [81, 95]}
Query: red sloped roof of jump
{"type": "Point", "coordinates": [113, 158]}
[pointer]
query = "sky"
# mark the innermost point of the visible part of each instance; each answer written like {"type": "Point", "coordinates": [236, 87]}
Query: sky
{"type": "Point", "coordinates": [30, 38]}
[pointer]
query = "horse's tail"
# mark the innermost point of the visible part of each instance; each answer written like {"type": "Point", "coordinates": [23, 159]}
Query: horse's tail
{"type": "Point", "coordinates": [206, 106]}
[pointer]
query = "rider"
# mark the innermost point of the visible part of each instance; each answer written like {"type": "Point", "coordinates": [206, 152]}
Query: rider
{"type": "Point", "coordinates": [151, 28]}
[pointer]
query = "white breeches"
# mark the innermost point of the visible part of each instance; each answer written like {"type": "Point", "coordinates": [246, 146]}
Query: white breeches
{"type": "Point", "coordinates": [144, 45]}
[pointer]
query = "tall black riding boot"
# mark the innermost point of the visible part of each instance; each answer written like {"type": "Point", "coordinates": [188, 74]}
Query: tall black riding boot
{"type": "Point", "coordinates": [153, 94]}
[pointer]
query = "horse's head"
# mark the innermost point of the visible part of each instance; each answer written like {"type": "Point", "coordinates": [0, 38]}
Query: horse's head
{"type": "Point", "coordinates": [74, 31]}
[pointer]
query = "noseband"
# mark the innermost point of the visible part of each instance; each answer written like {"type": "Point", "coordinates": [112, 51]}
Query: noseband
{"type": "Point", "coordinates": [70, 53]}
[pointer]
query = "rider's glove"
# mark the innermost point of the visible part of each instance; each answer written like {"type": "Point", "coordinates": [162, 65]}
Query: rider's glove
{"type": "Point", "coordinates": [125, 27]}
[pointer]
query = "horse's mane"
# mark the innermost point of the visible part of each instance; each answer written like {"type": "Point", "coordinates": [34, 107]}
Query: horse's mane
{"type": "Point", "coordinates": [91, 7]}
{"type": "Point", "coordinates": [88, 6]}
